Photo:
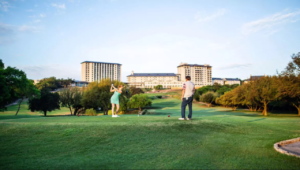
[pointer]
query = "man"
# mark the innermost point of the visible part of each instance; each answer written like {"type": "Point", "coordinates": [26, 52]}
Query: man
{"type": "Point", "coordinates": [187, 98]}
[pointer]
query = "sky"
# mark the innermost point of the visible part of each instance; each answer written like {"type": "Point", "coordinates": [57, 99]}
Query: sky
{"type": "Point", "coordinates": [238, 38]}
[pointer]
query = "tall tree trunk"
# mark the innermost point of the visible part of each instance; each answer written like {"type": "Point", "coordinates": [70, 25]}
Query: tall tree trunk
{"type": "Point", "coordinates": [75, 111]}
{"type": "Point", "coordinates": [298, 108]}
{"type": "Point", "coordinates": [250, 107]}
{"type": "Point", "coordinates": [265, 112]}
{"type": "Point", "coordinates": [45, 113]}
{"type": "Point", "coordinates": [70, 109]}
{"type": "Point", "coordinates": [255, 108]}
{"type": "Point", "coordinates": [19, 107]}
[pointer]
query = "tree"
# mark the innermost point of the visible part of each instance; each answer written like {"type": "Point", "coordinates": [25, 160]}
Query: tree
{"type": "Point", "coordinates": [12, 81]}
{"type": "Point", "coordinates": [197, 96]}
{"type": "Point", "coordinates": [267, 91]}
{"type": "Point", "coordinates": [98, 95]}
{"type": "Point", "coordinates": [228, 100]}
{"type": "Point", "coordinates": [77, 100]}
{"type": "Point", "coordinates": [250, 94]}
{"type": "Point", "coordinates": [71, 98]}
{"type": "Point", "coordinates": [223, 89]}
{"type": "Point", "coordinates": [158, 87]}
{"type": "Point", "coordinates": [139, 101]}
{"type": "Point", "coordinates": [289, 82]}
{"type": "Point", "coordinates": [1, 64]}
{"type": "Point", "coordinates": [209, 97]}
{"type": "Point", "coordinates": [29, 90]}
{"type": "Point", "coordinates": [47, 102]}
{"type": "Point", "coordinates": [216, 86]}
{"type": "Point", "coordinates": [66, 98]}
{"type": "Point", "coordinates": [52, 83]}
{"type": "Point", "coordinates": [204, 89]}
{"type": "Point", "coordinates": [134, 90]}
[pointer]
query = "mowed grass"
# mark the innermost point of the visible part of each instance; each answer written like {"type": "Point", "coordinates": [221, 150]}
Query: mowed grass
{"type": "Point", "coordinates": [216, 138]}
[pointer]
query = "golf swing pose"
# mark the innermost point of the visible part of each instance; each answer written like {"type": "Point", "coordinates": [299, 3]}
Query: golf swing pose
{"type": "Point", "coordinates": [187, 97]}
{"type": "Point", "coordinates": [115, 99]}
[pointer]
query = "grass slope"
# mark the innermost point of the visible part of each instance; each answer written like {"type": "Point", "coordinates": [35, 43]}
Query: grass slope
{"type": "Point", "coordinates": [215, 138]}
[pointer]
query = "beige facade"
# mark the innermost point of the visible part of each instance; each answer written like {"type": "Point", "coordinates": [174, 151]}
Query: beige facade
{"type": "Point", "coordinates": [149, 80]}
{"type": "Point", "coordinates": [200, 76]}
{"type": "Point", "coordinates": [95, 71]}
{"type": "Point", "coordinates": [223, 81]}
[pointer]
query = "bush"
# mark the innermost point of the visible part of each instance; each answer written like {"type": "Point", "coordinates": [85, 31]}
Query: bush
{"type": "Point", "coordinates": [197, 96]}
{"type": "Point", "coordinates": [135, 90]}
{"type": "Point", "coordinates": [90, 112]}
{"type": "Point", "coordinates": [158, 87]}
{"type": "Point", "coordinates": [209, 97]}
{"type": "Point", "coordinates": [139, 101]}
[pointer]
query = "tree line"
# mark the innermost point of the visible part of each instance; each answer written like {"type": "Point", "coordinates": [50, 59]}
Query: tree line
{"type": "Point", "coordinates": [282, 90]}
{"type": "Point", "coordinates": [95, 97]}
{"type": "Point", "coordinates": [14, 85]}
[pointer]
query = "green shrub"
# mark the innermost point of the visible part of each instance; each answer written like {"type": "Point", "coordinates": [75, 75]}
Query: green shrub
{"type": "Point", "coordinates": [139, 101]}
{"type": "Point", "coordinates": [209, 97]}
{"type": "Point", "coordinates": [90, 112]}
{"type": "Point", "coordinates": [197, 96]}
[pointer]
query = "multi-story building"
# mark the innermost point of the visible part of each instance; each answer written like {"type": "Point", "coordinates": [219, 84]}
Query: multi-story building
{"type": "Point", "coordinates": [200, 75]}
{"type": "Point", "coordinates": [78, 83]}
{"type": "Point", "coordinates": [253, 78]}
{"type": "Point", "coordinates": [149, 80]}
{"type": "Point", "coordinates": [95, 71]}
{"type": "Point", "coordinates": [223, 81]}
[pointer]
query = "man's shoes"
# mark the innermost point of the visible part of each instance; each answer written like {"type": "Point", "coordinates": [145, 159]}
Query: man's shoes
{"type": "Point", "coordinates": [189, 119]}
{"type": "Point", "coordinates": [181, 118]}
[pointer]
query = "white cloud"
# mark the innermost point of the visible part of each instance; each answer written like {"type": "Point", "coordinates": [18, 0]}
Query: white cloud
{"type": "Point", "coordinates": [37, 21]}
{"type": "Point", "coordinates": [268, 23]}
{"type": "Point", "coordinates": [29, 10]}
{"type": "Point", "coordinates": [59, 6]}
{"type": "Point", "coordinates": [27, 28]}
{"type": "Point", "coordinates": [235, 65]}
{"type": "Point", "coordinates": [4, 5]}
{"type": "Point", "coordinates": [42, 15]}
{"type": "Point", "coordinates": [203, 17]}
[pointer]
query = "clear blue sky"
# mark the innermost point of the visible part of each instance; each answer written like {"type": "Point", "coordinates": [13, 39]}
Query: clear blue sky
{"type": "Point", "coordinates": [237, 37]}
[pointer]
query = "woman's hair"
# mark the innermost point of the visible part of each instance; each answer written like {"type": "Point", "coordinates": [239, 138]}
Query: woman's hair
{"type": "Point", "coordinates": [120, 86]}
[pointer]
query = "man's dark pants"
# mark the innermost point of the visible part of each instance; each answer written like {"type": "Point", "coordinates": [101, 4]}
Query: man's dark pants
{"type": "Point", "coordinates": [185, 102]}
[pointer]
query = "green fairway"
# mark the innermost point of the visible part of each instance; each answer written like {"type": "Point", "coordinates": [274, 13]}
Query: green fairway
{"type": "Point", "coordinates": [216, 138]}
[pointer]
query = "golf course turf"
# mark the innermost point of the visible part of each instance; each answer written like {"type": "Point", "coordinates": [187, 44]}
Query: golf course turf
{"type": "Point", "coordinates": [216, 138]}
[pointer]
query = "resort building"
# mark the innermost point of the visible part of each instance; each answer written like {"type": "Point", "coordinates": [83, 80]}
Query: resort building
{"type": "Point", "coordinates": [200, 76]}
{"type": "Point", "coordinates": [223, 81]}
{"type": "Point", "coordinates": [253, 78]}
{"type": "Point", "coordinates": [96, 71]}
{"type": "Point", "coordinates": [149, 80]}
{"type": "Point", "coordinates": [77, 83]}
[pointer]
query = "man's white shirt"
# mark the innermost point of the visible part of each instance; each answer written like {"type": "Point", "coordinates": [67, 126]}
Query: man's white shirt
{"type": "Point", "coordinates": [189, 88]}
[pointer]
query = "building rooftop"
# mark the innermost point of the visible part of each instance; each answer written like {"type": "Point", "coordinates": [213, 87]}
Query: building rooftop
{"type": "Point", "coordinates": [79, 81]}
{"type": "Point", "coordinates": [99, 62]}
{"type": "Point", "coordinates": [194, 65]}
{"type": "Point", "coordinates": [235, 79]}
{"type": "Point", "coordinates": [216, 78]}
{"type": "Point", "coordinates": [151, 74]}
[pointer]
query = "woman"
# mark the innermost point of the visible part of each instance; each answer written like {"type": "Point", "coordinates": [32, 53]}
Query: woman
{"type": "Point", "coordinates": [115, 99]}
